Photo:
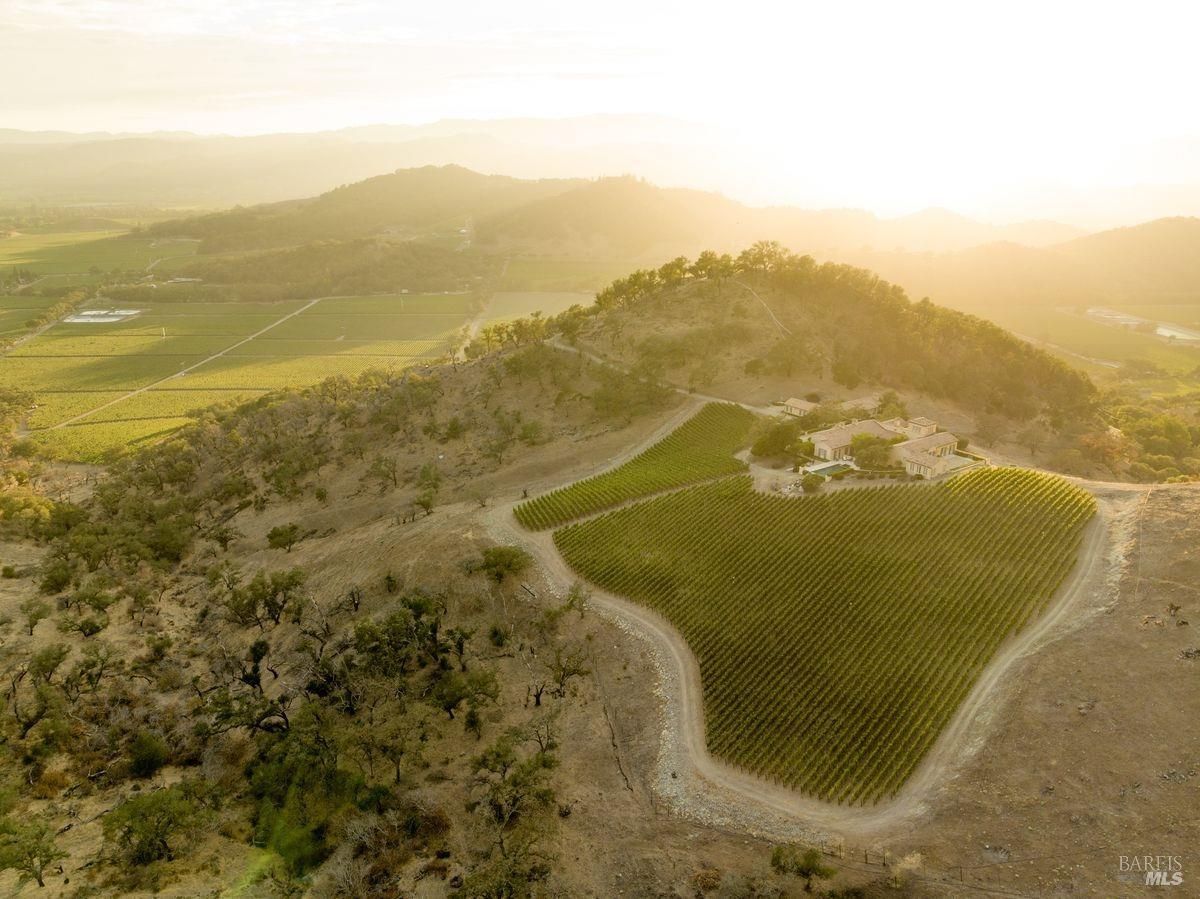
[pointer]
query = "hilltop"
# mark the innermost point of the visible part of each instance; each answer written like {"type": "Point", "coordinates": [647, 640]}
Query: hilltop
{"type": "Point", "coordinates": [773, 317]}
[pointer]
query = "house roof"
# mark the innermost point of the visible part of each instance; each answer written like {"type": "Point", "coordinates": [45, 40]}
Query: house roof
{"type": "Point", "coordinates": [866, 401]}
{"type": "Point", "coordinates": [929, 460]}
{"type": "Point", "coordinates": [918, 445]}
{"type": "Point", "coordinates": [841, 435]}
{"type": "Point", "coordinates": [922, 422]}
{"type": "Point", "coordinates": [799, 403]}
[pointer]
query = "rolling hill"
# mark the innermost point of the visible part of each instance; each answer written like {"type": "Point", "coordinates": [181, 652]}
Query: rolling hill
{"type": "Point", "coordinates": [1154, 262]}
{"type": "Point", "coordinates": [934, 253]}
{"type": "Point", "coordinates": [409, 202]}
{"type": "Point", "coordinates": [616, 217]}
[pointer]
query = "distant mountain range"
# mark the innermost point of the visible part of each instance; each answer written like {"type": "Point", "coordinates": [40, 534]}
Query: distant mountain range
{"type": "Point", "coordinates": [610, 218]}
{"type": "Point", "coordinates": [1154, 262]}
{"type": "Point", "coordinates": [177, 169]}
{"type": "Point", "coordinates": [629, 220]}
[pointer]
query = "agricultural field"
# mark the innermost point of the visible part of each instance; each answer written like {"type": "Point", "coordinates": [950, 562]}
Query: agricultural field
{"type": "Point", "coordinates": [16, 311]}
{"type": "Point", "coordinates": [1186, 314]}
{"type": "Point", "coordinates": [194, 355]}
{"type": "Point", "coordinates": [700, 449]}
{"type": "Point", "coordinates": [272, 373]}
{"type": "Point", "coordinates": [160, 403]}
{"type": "Point", "coordinates": [558, 275]}
{"type": "Point", "coordinates": [1081, 336]}
{"type": "Point", "coordinates": [506, 306]}
{"type": "Point", "coordinates": [90, 442]}
{"type": "Point", "coordinates": [85, 251]}
{"type": "Point", "coordinates": [375, 326]}
{"type": "Point", "coordinates": [836, 635]}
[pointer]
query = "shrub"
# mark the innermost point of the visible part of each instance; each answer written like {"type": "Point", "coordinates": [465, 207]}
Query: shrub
{"type": "Point", "coordinates": [811, 482]}
{"type": "Point", "coordinates": [151, 826]}
{"type": "Point", "coordinates": [501, 561]}
{"type": "Point", "coordinates": [284, 537]}
{"type": "Point", "coordinates": [147, 753]}
{"type": "Point", "coordinates": [56, 576]}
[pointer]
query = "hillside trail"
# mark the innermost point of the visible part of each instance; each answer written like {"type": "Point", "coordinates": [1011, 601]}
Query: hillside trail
{"type": "Point", "coordinates": [705, 789]}
{"type": "Point", "coordinates": [183, 371]}
{"type": "Point", "coordinates": [783, 329]}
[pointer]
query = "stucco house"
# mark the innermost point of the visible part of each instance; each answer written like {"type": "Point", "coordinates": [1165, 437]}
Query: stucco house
{"type": "Point", "coordinates": [928, 456]}
{"type": "Point", "coordinates": [868, 403]}
{"type": "Point", "coordinates": [796, 406]}
{"type": "Point", "coordinates": [834, 443]}
{"type": "Point", "coordinates": [911, 428]}
{"type": "Point", "coordinates": [920, 448]}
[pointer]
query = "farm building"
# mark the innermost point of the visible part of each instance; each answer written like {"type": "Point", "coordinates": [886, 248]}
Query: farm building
{"type": "Point", "coordinates": [796, 406]}
{"type": "Point", "coordinates": [920, 449]}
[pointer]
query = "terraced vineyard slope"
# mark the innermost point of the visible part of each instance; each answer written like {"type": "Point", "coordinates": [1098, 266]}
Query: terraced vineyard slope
{"type": "Point", "coordinates": [698, 450]}
{"type": "Point", "coordinates": [836, 635]}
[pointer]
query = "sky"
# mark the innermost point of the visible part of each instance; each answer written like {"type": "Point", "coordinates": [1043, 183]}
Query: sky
{"type": "Point", "coordinates": [893, 106]}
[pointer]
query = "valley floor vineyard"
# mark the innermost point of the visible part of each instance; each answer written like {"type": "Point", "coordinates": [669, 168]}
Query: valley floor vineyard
{"type": "Point", "coordinates": [837, 634]}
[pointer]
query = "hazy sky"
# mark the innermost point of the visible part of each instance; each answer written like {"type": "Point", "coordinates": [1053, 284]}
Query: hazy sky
{"type": "Point", "coordinates": [891, 105]}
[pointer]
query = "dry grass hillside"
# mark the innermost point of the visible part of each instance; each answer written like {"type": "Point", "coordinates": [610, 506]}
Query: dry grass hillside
{"type": "Point", "coordinates": [280, 656]}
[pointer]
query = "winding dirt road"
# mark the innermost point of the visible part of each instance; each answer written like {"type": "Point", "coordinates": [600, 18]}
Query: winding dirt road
{"type": "Point", "coordinates": [705, 789]}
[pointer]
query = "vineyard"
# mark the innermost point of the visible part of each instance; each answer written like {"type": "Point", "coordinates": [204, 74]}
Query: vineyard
{"type": "Point", "coordinates": [837, 634]}
{"type": "Point", "coordinates": [81, 251]}
{"type": "Point", "coordinates": [507, 306]}
{"type": "Point", "coordinates": [16, 313]}
{"type": "Point", "coordinates": [249, 372]}
{"type": "Point", "coordinates": [700, 449]}
{"type": "Point", "coordinates": [73, 369]}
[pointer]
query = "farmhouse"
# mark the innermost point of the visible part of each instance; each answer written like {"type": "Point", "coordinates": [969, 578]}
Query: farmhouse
{"type": "Point", "coordinates": [920, 448]}
{"type": "Point", "coordinates": [868, 403]}
{"type": "Point", "coordinates": [796, 406]}
{"type": "Point", "coordinates": [834, 443]}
